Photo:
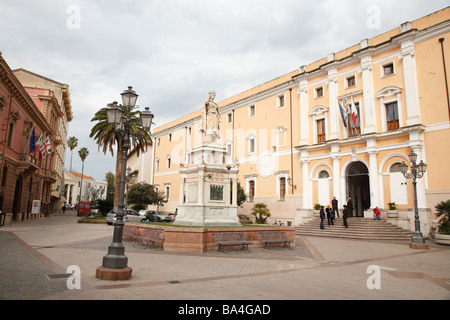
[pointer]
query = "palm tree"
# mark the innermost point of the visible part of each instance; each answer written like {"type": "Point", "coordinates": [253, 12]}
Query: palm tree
{"type": "Point", "coordinates": [103, 133]}
{"type": "Point", "coordinates": [72, 143]}
{"type": "Point", "coordinates": [83, 153]}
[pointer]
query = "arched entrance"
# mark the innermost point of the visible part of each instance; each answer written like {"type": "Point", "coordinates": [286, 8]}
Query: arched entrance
{"type": "Point", "coordinates": [17, 197]}
{"type": "Point", "coordinates": [358, 187]}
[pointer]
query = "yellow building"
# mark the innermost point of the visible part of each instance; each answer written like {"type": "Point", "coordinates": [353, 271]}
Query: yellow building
{"type": "Point", "coordinates": [293, 149]}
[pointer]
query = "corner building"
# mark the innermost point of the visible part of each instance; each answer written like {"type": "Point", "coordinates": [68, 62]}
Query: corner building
{"type": "Point", "coordinates": [295, 148]}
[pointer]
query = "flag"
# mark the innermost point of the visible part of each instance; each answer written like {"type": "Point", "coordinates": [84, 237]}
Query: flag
{"type": "Point", "coordinates": [342, 114]}
{"type": "Point", "coordinates": [354, 113]}
{"type": "Point", "coordinates": [46, 147]}
{"type": "Point", "coordinates": [39, 143]}
{"type": "Point", "coordinates": [33, 141]}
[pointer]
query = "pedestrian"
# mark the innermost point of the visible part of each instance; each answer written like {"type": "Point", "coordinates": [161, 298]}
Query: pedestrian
{"type": "Point", "coordinates": [345, 216]}
{"type": "Point", "coordinates": [64, 208]}
{"type": "Point", "coordinates": [376, 214]}
{"type": "Point", "coordinates": [322, 217]}
{"type": "Point", "coordinates": [350, 207]}
{"type": "Point", "coordinates": [330, 218]}
{"type": "Point", "coordinates": [334, 205]}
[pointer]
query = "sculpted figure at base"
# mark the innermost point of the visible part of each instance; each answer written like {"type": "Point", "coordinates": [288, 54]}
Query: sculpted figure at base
{"type": "Point", "coordinates": [210, 119]}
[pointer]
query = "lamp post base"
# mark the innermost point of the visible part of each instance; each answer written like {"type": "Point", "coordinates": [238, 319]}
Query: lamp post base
{"type": "Point", "coordinates": [419, 245]}
{"type": "Point", "coordinates": [103, 273]}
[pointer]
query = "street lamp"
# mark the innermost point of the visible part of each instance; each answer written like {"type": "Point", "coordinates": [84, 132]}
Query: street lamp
{"type": "Point", "coordinates": [417, 172]}
{"type": "Point", "coordinates": [114, 265]}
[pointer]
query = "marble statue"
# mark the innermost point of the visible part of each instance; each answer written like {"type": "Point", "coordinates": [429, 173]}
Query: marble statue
{"type": "Point", "coordinates": [210, 119]}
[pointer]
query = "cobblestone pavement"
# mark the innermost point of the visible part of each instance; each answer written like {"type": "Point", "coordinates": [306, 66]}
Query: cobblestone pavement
{"type": "Point", "coordinates": [22, 276]}
{"type": "Point", "coordinates": [317, 268]}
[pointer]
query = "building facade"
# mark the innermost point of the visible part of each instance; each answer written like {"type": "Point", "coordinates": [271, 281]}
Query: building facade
{"type": "Point", "coordinates": [53, 100]}
{"type": "Point", "coordinates": [26, 178]}
{"type": "Point", "coordinates": [338, 127]}
{"type": "Point", "coordinates": [78, 185]}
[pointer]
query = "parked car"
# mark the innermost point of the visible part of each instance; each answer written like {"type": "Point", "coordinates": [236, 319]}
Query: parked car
{"type": "Point", "coordinates": [243, 219]}
{"type": "Point", "coordinates": [129, 216]}
{"type": "Point", "coordinates": [153, 216]}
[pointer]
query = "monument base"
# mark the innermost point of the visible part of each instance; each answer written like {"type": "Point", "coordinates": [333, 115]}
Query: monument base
{"type": "Point", "coordinates": [103, 273]}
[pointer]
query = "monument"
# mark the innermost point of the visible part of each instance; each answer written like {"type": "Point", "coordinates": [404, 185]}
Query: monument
{"type": "Point", "coordinates": [208, 187]}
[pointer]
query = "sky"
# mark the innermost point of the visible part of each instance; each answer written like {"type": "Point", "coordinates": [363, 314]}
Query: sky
{"type": "Point", "coordinates": [173, 52]}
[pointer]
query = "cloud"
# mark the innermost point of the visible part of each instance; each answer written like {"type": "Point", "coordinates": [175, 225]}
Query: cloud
{"type": "Point", "coordinates": [174, 52]}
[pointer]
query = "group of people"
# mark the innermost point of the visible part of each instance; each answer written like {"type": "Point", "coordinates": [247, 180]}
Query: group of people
{"type": "Point", "coordinates": [331, 212]}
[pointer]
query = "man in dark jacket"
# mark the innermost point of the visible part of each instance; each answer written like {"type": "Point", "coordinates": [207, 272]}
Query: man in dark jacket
{"type": "Point", "coordinates": [322, 217]}
{"type": "Point", "coordinates": [345, 216]}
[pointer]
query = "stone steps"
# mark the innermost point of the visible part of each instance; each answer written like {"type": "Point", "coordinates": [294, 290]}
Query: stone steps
{"type": "Point", "coordinates": [358, 228]}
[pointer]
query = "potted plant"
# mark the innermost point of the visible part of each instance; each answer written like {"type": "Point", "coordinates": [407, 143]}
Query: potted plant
{"type": "Point", "coordinates": [443, 212]}
{"type": "Point", "coordinates": [316, 210]}
{"type": "Point", "coordinates": [392, 212]}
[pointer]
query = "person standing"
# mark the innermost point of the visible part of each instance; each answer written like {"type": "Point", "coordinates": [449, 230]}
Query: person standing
{"type": "Point", "coordinates": [350, 207]}
{"type": "Point", "coordinates": [334, 206]}
{"type": "Point", "coordinates": [345, 216]}
{"type": "Point", "coordinates": [64, 208]}
{"type": "Point", "coordinates": [322, 217]}
{"type": "Point", "coordinates": [330, 215]}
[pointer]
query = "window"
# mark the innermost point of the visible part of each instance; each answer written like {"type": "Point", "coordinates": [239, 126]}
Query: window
{"type": "Point", "coordinates": [351, 81]}
{"type": "Point", "coordinates": [158, 141]}
{"type": "Point", "coordinates": [169, 162]}
{"type": "Point", "coordinates": [282, 188]}
{"type": "Point", "coordinates": [281, 102]}
{"type": "Point", "coordinates": [321, 130]}
{"type": "Point", "coordinates": [189, 131]}
{"type": "Point", "coordinates": [392, 116]}
{"type": "Point", "coordinates": [388, 69]}
{"type": "Point", "coordinates": [167, 192]}
{"type": "Point", "coordinates": [251, 111]}
{"type": "Point", "coordinates": [170, 137]}
{"type": "Point", "coordinates": [324, 174]}
{"type": "Point", "coordinates": [251, 190]}
{"type": "Point", "coordinates": [10, 134]}
{"type": "Point", "coordinates": [157, 164]}
{"type": "Point", "coordinates": [319, 92]}
{"type": "Point", "coordinates": [229, 117]}
{"type": "Point", "coordinates": [251, 145]}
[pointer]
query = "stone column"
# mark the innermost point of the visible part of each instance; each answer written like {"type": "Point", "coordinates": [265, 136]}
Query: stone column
{"type": "Point", "coordinates": [368, 98]}
{"type": "Point", "coordinates": [410, 81]}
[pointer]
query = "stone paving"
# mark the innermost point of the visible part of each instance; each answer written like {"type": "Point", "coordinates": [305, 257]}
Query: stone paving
{"type": "Point", "coordinates": [36, 253]}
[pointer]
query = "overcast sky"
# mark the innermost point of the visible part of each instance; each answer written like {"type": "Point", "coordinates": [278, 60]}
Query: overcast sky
{"type": "Point", "coordinates": [173, 52]}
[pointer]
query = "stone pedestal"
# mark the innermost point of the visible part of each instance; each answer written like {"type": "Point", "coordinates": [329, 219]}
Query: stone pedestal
{"type": "Point", "coordinates": [208, 189]}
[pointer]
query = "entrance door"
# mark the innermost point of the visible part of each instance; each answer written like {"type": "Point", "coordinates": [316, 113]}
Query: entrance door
{"type": "Point", "coordinates": [358, 188]}
{"type": "Point", "coordinates": [17, 198]}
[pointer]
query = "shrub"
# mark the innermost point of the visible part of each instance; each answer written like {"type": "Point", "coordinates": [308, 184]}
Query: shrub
{"type": "Point", "coordinates": [443, 212]}
{"type": "Point", "coordinates": [261, 212]}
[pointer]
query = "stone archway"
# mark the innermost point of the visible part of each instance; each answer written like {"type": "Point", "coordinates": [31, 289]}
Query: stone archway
{"type": "Point", "coordinates": [358, 187]}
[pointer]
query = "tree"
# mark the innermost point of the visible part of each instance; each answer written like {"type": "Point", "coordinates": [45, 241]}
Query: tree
{"type": "Point", "coordinates": [261, 212]}
{"type": "Point", "coordinates": [110, 179]}
{"type": "Point", "coordinates": [83, 153]}
{"type": "Point", "coordinates": [103, 133]}
{"type": "Point", "coordinates": [143, 194]}
{"type": "Point", "coordinates": [72, 143]}
{"type": "Point", "coordinates": [241, 196]}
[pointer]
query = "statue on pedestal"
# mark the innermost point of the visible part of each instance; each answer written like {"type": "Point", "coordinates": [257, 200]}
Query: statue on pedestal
{"type": "Point", "coordinates": [210, 120]}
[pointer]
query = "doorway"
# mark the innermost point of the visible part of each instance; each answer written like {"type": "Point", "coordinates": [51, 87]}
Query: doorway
{"type": "Point", "coordinates": [17, 198]}
{"type": "Point", "coordinates": [358, 188]}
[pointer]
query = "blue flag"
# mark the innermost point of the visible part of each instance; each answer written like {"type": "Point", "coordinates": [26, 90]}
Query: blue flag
{"type": "Point", "coordinates": [342, 115]}
{"type": "Point", "coordinates": [33, 141]}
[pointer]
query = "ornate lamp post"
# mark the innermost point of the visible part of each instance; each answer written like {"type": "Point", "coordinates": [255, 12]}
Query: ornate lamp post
{"type": "Point", "coordinates": [417, 172]}
{"type": "Point", "coordinates": [114, 266]}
